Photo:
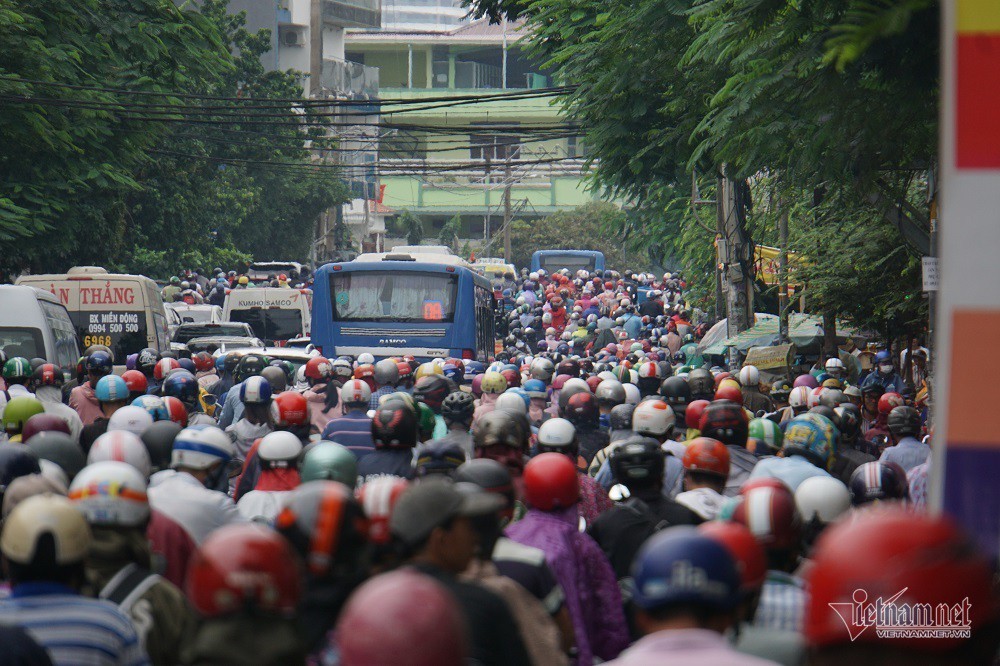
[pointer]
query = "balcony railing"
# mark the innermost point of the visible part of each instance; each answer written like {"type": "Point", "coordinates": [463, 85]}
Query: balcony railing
{"type": "Point", "coordinates": [346, 79]}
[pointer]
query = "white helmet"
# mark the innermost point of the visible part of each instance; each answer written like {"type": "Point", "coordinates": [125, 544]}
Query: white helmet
{"type": "Point", "coordinates": [652, 417]}
{"type": "Point", "coordinates": [111, 493]}
{"type": "Point", "coordinates": [546, 317]}
{"type": "Point", "coordinates": [610, 391]}
{"type": "Point", "coordinates": [606, 375]}
{"type": "Point", "coordinates": [814, 396]}
{"type": "Point", "coordinates": [557, 433]}
{"type": "Point", "coordinates": [123, 446]}
{"type": "Point", "coordinates": [279, 449]}
{"type": "Point", "coordinates": [53, 472]}
{"type": "Point", "coordinates": [41, 515]}
{"type": "Point", "coordinates": [798, 398]}
{"type": "Point", "coordinates": [511, 401]}
{"type": "Point", "coordinates": [200, 447]}
{"type": "Point", "coordinates": [365, 359]}
{"type": "Point", "coordinates": [834, 364]}
{"type": "Point", "coordinates": [577, 383]}
{"type": "Point", "coordinates": [542, 368]}
{"type": "Point", "coordinates": [822, 497]}
{"type": "Point", "coordinates": [133, 419]}
{"type": "Point", "coordinates": [749, 376]}
{"type": "Point", "coordinates": [355, 392]}
{"type": "Point", "coordinates": [386, 372]}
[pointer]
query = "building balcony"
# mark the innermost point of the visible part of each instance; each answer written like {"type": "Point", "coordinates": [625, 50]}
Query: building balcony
{"type": "Point", "coordinates": [353, 13]}
{"type": "Point", "coordinates": [348, 80]}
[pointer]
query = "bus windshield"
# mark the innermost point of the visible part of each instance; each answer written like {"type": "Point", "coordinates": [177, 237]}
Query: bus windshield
{"type": "Point", "coordinates": [397, 296]}
{"type": "Point", "coordinates": [271, 324]}
{"type": "Point", "coordinates": [556, 262]}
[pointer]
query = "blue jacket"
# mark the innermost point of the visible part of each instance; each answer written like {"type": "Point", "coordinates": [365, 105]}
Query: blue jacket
{"type": "Point", "coordinates": [891, 382]}
{"type": "Point", "coordinates": [352, 430]}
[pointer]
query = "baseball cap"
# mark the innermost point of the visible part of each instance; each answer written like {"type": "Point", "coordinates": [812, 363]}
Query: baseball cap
{"type": "Point", "coordinates": [432, 503]}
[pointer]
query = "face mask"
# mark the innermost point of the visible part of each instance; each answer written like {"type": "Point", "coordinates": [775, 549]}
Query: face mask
{"type": "Point", "coordinates": [885, 368]}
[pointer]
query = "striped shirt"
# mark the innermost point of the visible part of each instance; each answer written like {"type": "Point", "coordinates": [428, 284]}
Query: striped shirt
{"type": "Point", "coordinates": [73, 629]}
{"type": "Point", "coordinates": [782, 603]}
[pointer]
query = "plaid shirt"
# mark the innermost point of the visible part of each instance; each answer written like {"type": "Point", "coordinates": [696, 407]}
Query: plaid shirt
{"type": "Point", "coordinates": [782, 602]}
{"type": "Point", "coordinates": [385, 390]}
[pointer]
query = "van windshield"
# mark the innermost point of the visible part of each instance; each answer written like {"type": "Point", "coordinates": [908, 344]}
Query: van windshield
{"type": "Point", "coordinates": [270, 324]}
{"type": "Point", "coordinates": [24, 342]}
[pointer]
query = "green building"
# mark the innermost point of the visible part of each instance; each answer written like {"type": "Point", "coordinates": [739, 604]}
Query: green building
{"type": "Point", "coordinates": [437, 173]}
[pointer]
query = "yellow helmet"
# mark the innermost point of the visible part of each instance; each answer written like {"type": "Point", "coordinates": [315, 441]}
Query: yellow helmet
{"type": "Point", "coordinates": [428, 369]}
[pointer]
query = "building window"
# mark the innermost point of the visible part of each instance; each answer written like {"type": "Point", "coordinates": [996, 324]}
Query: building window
{"type": "Point", "coordinates": [494, 147]}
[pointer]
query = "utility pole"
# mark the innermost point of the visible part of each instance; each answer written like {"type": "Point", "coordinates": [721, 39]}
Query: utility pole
{"type": "Point", "coordinates": [734, 243]}
{"type": "Point", "coordinates": [506, 207]}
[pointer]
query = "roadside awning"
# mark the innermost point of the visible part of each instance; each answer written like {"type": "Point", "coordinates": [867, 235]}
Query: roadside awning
{"type": "Point", "coordinates": [805, 331]}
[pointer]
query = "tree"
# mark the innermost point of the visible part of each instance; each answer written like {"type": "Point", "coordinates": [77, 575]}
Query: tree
{"type": "Point", "coordinates": [410, 226]}
{"type": "Point", "coordinates": [449, 232]}
{"type": "Point", "coordinates": [593, 226]}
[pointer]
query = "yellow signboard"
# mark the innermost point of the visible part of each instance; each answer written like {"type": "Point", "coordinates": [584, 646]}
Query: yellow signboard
{"type": "Point", "coordinates": [779, 357]}
{"type": "Point", "coordinates": [766, 262]}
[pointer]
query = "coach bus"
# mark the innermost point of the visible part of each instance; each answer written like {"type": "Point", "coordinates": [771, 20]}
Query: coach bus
{"type": "Point", "coordinates": [123, 312]}
{"type": "Point", "coordinates": [551, 261]}
{"type": "Point", "coordinates": [395, 304]}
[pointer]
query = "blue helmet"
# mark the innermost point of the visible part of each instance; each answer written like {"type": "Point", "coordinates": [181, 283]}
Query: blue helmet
{"type": "Point", "coordinates": [562, 348]}
{"type": "Point", "coordinates": [220, 363]}
{"type": "Point", "coordinates": [438, 457]}
{"type": "Point", "coordinates": [111, 388]}
{"type": "Point", "coordinates": [535, 388]}
{"type": "Point", "coordinates": [187, 364]}
{"type": "Point", "coordinates": [154, 405]}
{"type": "Point", "coordinates": [182, 385]}
{"type": "Point", "coordinates": [473, 368]}
{"type": "Point", "coordinates": [255, 390]}
{"type": "Point", "coordinates": [522, 394]}
{"type": "Point", "coordinates": [681, 566]}
{"type": "Point", "coordinates": [883, 357]}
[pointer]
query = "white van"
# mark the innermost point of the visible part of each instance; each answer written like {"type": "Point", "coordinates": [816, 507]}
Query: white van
{"type": "Point", "coordinates": [123, 312]}
{"type": "Point", "coordinates": [275, 315]}
{"type": "Point", "coordinates": [34, 324]}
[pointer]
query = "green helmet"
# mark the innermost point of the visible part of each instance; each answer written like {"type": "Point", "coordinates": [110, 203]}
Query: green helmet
{"type": "Point", "coordinates": [684, 369]}
{"type": "Point", "coordinates": [17, 368]}
{"type": "Point", "coordinates": [622, 374]}
{"type": "Point", "coordinates": [174, 279]}
{"type": "Point", "coordinates": [767, 434]}
{"type": "Point", "coordinates": [19, 410]}
{"type": "Point", "coordinates": [329, 461]}
{"type": "Point", "coordinates": [427, 421]}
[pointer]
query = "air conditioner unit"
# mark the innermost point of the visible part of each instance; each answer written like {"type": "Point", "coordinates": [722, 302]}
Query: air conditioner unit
{"type": "Point", "coordinates": [293, 38]}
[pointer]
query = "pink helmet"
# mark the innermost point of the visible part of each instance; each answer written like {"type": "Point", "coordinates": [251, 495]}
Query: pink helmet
{"type": "Point", "coordinates": [806, 380]}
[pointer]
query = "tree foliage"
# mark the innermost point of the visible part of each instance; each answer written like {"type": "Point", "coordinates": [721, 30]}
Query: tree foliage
{"type": "Point", "coordinates": [593, 226]}
{"type": "Point", "coordinates": [410, 226]}
{"type": "Point", "coordinates": [124, 168]}
{"type": "Point", "coordinates": [838, 98]}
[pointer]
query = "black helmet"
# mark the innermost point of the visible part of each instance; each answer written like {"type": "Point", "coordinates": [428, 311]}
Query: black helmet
{"type": "Point", "coordinates": [230, 363]}
{"type": "Point", "coordinates": [394, 426]}
{"type": "Point", "coordinates": [621, 417]}
{"type": "Point", "coordinates": [159, 441]}
{"type": "Point", "coordinates": [677, 392]}
{"type": "Point", "coordinates": [727, 422]}
{"type": "Point", "coordinates": [146, 361]}
{"type": "Point", "coordinates": [60, 448]}
{"type": "Point", "coordinates": [249, 366]}
{"type": "Point", "coordinates": [638, 462]}
{"type": "Point", "coordinates": [828, 412]}
{"type": "Point", "coordinates": [780, 389]}
{"type": "Point", "coordinates": [702, 384]}
{"type": "Point", "coordinates": [15, 461]}
{"type": "Point", "coordinates": [848, 421]}
{"type": "Point", "coordinates": [904, 420]}
{"type": "Point", "coordinates": [431, 390]}
{"type": "Point", "coordinates": [874, 389]}
{"type": "Point", "coordinates": [832, 398]}
{"type": "Point", "coordinates": [490, 475]}
{"type": "Point", "coordinates": [458, 407]}
{"type": "Point", "coordinates": [502, 427]}
{"type": "Point", "coordinates": [438, 457]}
{"type": "Point", "coordinates": [326, 525]}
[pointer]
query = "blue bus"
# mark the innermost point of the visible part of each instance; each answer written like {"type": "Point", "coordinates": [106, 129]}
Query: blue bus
{"type": "Point", "coordinates": [394, 304]}
{"type": "Point", "coordinates": [554, 260]}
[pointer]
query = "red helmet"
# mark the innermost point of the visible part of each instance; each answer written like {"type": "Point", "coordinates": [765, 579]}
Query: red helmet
{"type": "Point", "coordinates": [771, 516]}
{"type": "Point", "coordinates": [708, 456]}
{"type": "Point", "coordinates": [550, 482]}
{"type": "Point", "coordinates": [48, 374]}
{"type": "Point", "coordinates": [203, 362]}
{"type": "Point", "coordinates": [513, 377]}
{"type": "Point", "coordinates": [135, 381]}
{"type": "Point", "coordinates": [719, 377]}
{"type": "Point", "coordinates": [163, 368]}
{"type": "Point", "coordinates": [739, 541]}
{"type": "Point", "coordinates": [243, 566]}
{"type": "Point", "coordinates": [325, 525]}
{"type": "Point", "coordinates": [319, 369]}
{"type": "Point", "coordinates": [378, 497]}
{"type": "Point", "coordinates": [176, 411]}
{"type": "Point", "coordinates": [729, 392]}
{"type": "Point", "coordinates": [43, 423]}
{"type": "Point", "coordinates": [726, 422]}
{"type": "Point", "coordinates": [888, 402]}
{"type": "Point", "coordinates": [581, 409]}
{"type": "Point", "coordinates": [402, 617]}
{"type": "Point", "coordinates": [692, 416]}
{"type": "Point", "coordinates": [289, 408]}
{"type": "Point", "coordinates": [560, 381]}
{"type": "Point", "coordinates": [405, 369]}
{"type": "Point", "coordinates": [929, 562]}
{"type": "Point", "coordinates": [593, 383]}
